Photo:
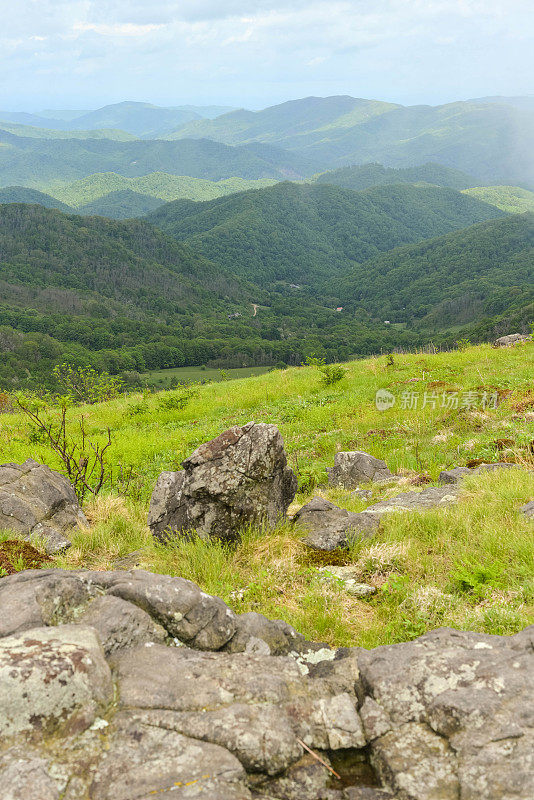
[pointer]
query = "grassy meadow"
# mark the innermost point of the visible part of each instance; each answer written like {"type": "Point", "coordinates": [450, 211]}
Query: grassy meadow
{"type": "Point", "coordinates": [469, 565]}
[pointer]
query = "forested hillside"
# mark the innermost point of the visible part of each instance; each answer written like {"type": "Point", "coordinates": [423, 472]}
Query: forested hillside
{"type": "Point", "coordinates": [21, 194]}
{"type": "Point", "coordinates": [491, 141]}
{"type": "Point", "coordinates": [161, 185]}
{"type": "Point", "coordinates": [47, 163]}
{"type": "Point", "coordinates": [302, 234]}
{"type": "Point", "coordinates": [484, 271]}
{"type": "Point", "coordinates": [364, 176]}
{"type": "Point", "coordinates": [508, 198]}
{"type": "Point", "coordinates": [123, 297]}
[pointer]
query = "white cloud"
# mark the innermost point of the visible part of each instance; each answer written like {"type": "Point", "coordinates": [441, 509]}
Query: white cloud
{"type": "Point", "coordinates": [258, 51]}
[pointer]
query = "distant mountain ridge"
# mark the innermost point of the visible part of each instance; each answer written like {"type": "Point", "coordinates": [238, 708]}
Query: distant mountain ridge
{"type": "Point", "coordinates": [491, 141]}
{"type": "Point", "coordinates": [42, 163]}
{"type": "Point", "coordinates": [143, 120]}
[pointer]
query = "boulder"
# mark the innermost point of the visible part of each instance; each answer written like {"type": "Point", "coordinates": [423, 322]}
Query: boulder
{"type": "Point", "coordinates": [38, 503]}
{"type": "Point", "coordinates": [528, 510]}
{"type": "Point", "coordinates": [353, 468]}
{"type": "Point", "coordinates": [239, 478]}
{"type": "Point", "coordinates": [511, 339]}
{"type": "Point", "coordinates": [328, 526]}
{"type": "Point", "coordinates": [459, 473]}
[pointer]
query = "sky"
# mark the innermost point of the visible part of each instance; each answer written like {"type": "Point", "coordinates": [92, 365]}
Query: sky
{"type": "Point", "coordinates": [83, 54]}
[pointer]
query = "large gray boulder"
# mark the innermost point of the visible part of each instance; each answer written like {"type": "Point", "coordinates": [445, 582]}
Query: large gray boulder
{"type": "Point", "coordinates": [511, 339]}
{"type": "Point", "coordinates": [239, 478]}
{"type": "Point", "coordinates": [327, 526]}
{"type": "Point", "coordinates": [38, 504]}
{"type": "Point", "coordinates": [352, 468]}
{"type": "Point", "coordinates": [191, 708]}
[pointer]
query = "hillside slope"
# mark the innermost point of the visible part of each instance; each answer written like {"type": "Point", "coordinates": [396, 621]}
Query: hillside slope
{"type": "Point", "coordinates": [123, 204]}
{"type": "Point", "coordinates": [468, 565]}
{"type": "Point", "coordinates": [364, 176]}
{"type": "Point", "coordinates": [488, 140]}
{"type": "Point", "coordinates": [21, 194]}
{"type": "Point", "coordinates": [301, 234]}
{"type": "Point", "coordinates": [512, 199]}
{"type": "Point", "coordinates": [47, 163]}
{"type": "Point", "coordinates": [485, 270]}
{"type": "Point", "coordinates": [161, 185]}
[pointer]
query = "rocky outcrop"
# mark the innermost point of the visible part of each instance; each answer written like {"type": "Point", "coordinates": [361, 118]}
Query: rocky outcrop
{"type": "Point", "coordinates": [125, 686]}
{"type": "Point", "coordinates": [239, 478]}
{"type": "Point", "coordinates": [352, 468]}
{"type": "Point", "coordinates": [39, 504]}
{"type": "Point", "coordinates": [459, 473]}
{"type": "Point", "coordinates": [511, 339]}
{"type": "Point", "coordinates": [328, 526]}
{"type": "Point", "coordinates": [432, 497]}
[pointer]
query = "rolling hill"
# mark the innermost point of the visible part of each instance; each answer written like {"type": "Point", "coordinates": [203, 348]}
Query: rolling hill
{"type": "Point", "coordinates": [508, 198]}
{"type": "Point", "coordinates": [21, 194]}
{"type": "Point", "coordinates": [303, 234]}
{"type": "Point", "coordinates": [139, 119]}
{"type": "Point", "coordinates": [160, 185]}
{"type": "Point", "coordinates": [122, 204]}
{"type": "Point", "coordinates": [364, 176]}
{"type": "Point", "coordinates": [483, 271]}
{"type": "Point", "coordinates": [31, 132]}
{"type": "Point", "coordinates": [46, 163]}
{"type": "Point", "coordinates": [488, 140]}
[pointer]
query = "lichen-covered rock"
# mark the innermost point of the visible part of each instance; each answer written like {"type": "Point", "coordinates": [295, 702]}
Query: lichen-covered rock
{"type": "Point", "coordinates": [38, 503]}
{"type": "Point", "coordinates": [52, 679]}
{"type": "Point", "coordinates": [448, 715]}
{"type": "Point", "coordinates": [241, 477]}
{"type": "Point", "coordinates": [353, 468]}
{"type": "Point", "coordinates": [327, 526]}
{"type": "Point", "coordinates": [460, 715]}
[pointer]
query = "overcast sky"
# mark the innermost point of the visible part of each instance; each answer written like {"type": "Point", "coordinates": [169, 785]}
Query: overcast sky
{"type": "Point", "coordinates": [253, 53]}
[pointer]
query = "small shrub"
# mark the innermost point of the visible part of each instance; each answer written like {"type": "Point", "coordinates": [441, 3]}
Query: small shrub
{"type": "Point", "coordinates": [85, 385]}
{"type": "Point", "coordinates": [463, 344]}
{"type": "Point", "coordinates": [332, 373]}
{"type": "Point", "coordinates": [179, 399]}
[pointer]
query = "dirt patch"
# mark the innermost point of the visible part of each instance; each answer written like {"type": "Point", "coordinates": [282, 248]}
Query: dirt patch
{"type": "Point", "coordinates": [16, 556]}
{"type": "Point", "coordinates": [327, 558]}
{"type": "Point", "coordinates": [524, 402]}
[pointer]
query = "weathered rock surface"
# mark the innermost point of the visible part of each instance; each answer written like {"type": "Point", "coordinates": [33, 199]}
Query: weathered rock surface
{"type": "Point", "coordinates": [407, 501]}
{"type": "Point", "coordinates": [102, 700]}
{"type": "Point", "coordinates": [52, 678]}
{"type": "Point", "coordinates": [328, 526]}
{"type": "Point", "coordinates": [459, 473]}
{"type": "Point", "coordinates": [528, 510]}
{"type": "Point", "coordinates": [353, 468]}
{"type": "Point", "coordinates": [38, 503]}
{"type": "Point", "coordinates": [511, 339]}
{"type": "Point", "coordinates": [241, 477]}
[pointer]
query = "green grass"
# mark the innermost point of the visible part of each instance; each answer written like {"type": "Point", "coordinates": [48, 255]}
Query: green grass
{"type": "Point", "coordinates": [469, 565]}
{"type": "Point", "coordinates": [163, 378]}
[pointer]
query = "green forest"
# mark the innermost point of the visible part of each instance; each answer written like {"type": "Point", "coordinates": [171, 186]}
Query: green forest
{"type": "Point", "coordinates": [302, 234]}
